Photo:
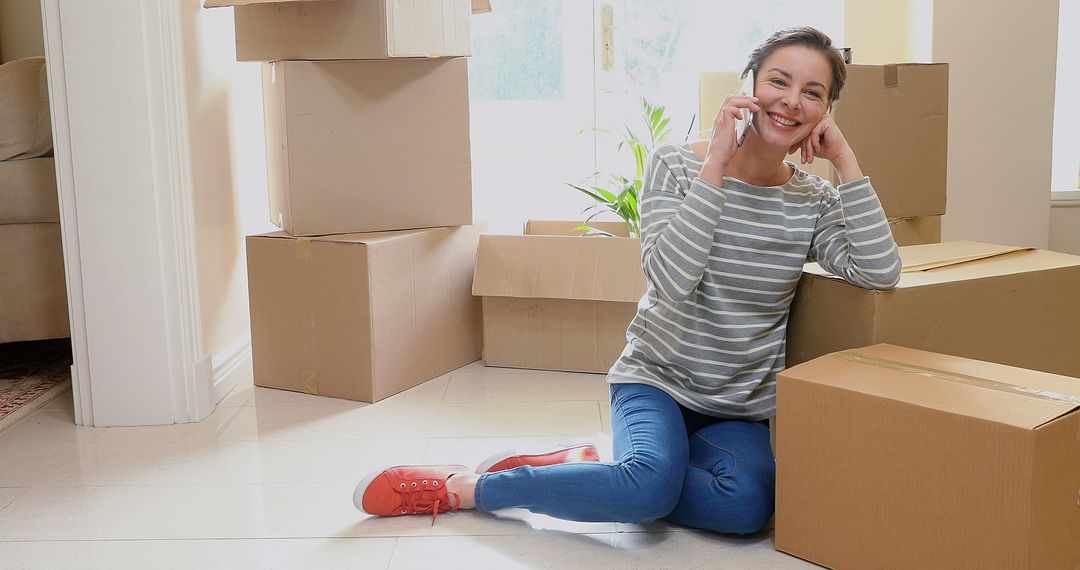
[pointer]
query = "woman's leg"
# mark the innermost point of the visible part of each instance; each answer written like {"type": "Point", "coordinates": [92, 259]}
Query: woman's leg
{"type": "Point", "coordinates": [730, 482]}
{"type": "Point", "coordinates": [642, 484]}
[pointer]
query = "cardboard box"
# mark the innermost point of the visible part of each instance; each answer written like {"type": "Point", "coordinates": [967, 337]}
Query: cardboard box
{"type": "Point", "coordinates": [270, 30]}
{"type": "Point", "coordinates": [28, 191]}
{"type": "Point", "coordinates": [896, 119]}
{"type": "Point", "coordinates": [916, 231]}
{"type": "Point", "coordinates": [1001, 304]}
{"type": "Point", "coordinates": [889, 457]}
{"type": "Point", "coordinates": [569, 228]}
{"type": "Point", "coordinates": [557, 302]}
{"type": "Point", "coordinates": [34, 301]}
{"type": "Point", "coordinates": [361, 146]}
{"type": "Point", "coordinates": [362, 316]}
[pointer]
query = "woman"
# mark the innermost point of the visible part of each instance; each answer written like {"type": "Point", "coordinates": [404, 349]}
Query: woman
{"type": "Point", "coordinates": [725, 232]}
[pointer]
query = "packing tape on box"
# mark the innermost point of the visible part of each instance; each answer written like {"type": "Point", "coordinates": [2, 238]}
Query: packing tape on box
{"type": "Point", "coordinates": [852, 355]}
{"type": "Point", "coordinates": [303, 248]}
{"type": "Point", "coordinates": [892, 78]}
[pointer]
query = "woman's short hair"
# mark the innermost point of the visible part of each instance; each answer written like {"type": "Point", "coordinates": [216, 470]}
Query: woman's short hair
{"type": "Point", "coordinates": [807, 36]}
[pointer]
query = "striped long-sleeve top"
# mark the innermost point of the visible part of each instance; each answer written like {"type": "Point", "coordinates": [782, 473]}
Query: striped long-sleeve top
{"type": "Point", "coordinates": [721, 267]}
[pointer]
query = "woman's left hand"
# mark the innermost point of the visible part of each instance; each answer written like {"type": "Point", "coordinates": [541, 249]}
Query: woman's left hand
{"type": "Point", "coordinates": [825, 140]}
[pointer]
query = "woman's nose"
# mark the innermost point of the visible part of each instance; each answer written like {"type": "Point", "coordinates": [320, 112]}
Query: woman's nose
{"type": "Point", "coordinates": [791, 99]}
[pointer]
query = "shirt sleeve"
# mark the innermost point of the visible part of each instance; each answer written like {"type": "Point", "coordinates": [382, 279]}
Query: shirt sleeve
{"type": "Point", "coordinates": [676, 229]}
{"type": "Point", "coordinates": [853, 240]}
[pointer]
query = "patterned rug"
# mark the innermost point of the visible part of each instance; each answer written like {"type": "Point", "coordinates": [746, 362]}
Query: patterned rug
{"type": "Point", "coordinates": [31, 374]}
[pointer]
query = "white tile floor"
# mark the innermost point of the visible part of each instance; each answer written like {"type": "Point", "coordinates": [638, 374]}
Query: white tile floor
{"type": "Point", "coordinates": [266, 482]}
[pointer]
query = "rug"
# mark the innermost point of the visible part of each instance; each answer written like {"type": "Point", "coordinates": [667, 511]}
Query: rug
{"type": "Point", "coordinates": [31, 374]}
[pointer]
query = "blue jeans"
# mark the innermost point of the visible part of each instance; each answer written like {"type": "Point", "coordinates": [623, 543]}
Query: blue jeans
{"type": "Point", "coordinates": [671, 463]}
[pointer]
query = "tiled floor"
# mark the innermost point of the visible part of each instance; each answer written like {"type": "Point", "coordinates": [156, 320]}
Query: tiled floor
{"type": "Point", "coordinates": [266, 482]}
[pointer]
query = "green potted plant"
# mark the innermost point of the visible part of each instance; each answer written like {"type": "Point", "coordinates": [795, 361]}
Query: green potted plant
{"type": "Point", "coordinates": [617, 193]}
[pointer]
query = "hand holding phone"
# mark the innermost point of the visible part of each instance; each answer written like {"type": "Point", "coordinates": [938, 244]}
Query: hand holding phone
{"type": "Point", "coordinates": [742, 126]}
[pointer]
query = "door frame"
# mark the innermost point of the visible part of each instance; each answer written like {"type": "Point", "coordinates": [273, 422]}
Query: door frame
{"type": "Point", "coordinates": [118, 99]}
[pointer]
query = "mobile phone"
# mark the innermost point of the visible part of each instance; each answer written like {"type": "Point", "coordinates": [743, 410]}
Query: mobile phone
{"type": "Point", "coordinates": [742, 126]}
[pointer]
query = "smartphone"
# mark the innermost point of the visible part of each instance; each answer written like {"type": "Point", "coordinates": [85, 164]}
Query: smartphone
{"type": "Point", "coordinates": [742, 126]}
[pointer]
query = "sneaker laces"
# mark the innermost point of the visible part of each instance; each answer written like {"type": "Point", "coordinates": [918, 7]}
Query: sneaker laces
{"type": "Point", "coordinates": [422, 500]}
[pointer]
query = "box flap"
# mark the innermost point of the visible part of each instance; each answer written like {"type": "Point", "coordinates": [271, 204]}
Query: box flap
{"type": "Point", "coordinates": [916, 258]}
{"type": "Point", "coordinates": [559, 267]}
{"type": "Point", "coordinates": [227, 3]}
{"type": "Point", "coordinates": [1002, 394]}
{"type": "Point", "coordinates": [568, 228]}
{"type": "Point", "coordinates": [934, 255]}
{"type": "Point", "coordinates": [367, 237]}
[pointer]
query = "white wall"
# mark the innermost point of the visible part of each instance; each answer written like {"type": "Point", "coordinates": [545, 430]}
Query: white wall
{"type": "Point", "coordinates": [20, 29]}
{"type": "Point", "coordinates": [1002, 56]}
{"type": "Point", "coordinates": [229, 169]}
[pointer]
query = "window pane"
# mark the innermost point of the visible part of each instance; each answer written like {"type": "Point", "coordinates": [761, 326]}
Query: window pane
{"type": "Point", "coordinates": [531, 90]}
{"type": "Point", "coordinates": [519, 51]}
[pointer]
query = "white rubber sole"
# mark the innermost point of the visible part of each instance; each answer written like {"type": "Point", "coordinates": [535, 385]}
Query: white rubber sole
{"type": "Point", "coordinates": [358, 493]}
{"type": "Point", "coordinates": [506, 454]}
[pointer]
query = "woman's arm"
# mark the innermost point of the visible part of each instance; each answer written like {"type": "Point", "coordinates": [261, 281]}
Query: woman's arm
{"type": "Point", "coordinates": [853, 240]}
{"type": "Point", "coordinates": [676, 230]}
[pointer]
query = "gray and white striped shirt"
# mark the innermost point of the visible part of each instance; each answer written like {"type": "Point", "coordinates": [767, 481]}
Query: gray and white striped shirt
{"type": "Point", "coordinates": [722, 265]}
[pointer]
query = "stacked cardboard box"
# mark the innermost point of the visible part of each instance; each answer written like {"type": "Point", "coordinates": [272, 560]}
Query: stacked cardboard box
{"type": "Point", "coordinates": [366, 291]}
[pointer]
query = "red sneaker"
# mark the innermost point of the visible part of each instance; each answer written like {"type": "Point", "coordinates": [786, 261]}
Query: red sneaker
{"type": "Point", "coordinates": [408, 490]}
{"type": "Point", "coordinates": [510, 459]}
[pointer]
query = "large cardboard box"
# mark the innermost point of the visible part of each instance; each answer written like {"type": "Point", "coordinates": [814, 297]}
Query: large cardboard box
{"type": "Point", "coordinates": [269, 30]}
{"type": "Point", "coordinates": [557, 302]}
{"type": "Point", "coordinates": [996, 303]}
{"type": "Point", "coordinates": [896, 119]}
{"type": "Point", "coordinates": [34, 301]}
{"type": "Point", "coordinates": [361, 146]}
{"type": "Point", "coordinates": [890, 457]}
{"type": "Point", "coordinates": [362, 316]}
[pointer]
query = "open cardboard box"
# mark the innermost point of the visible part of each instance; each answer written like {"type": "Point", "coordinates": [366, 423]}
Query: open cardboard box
{"type": "Point", "coordinates": [1015, 306]}
{"type": "Point", "coordinates": [269, 30]}
{"type": "Point", "coordinates": [891, 457]}
{"type": "Point", "coordinates": [556, 301]}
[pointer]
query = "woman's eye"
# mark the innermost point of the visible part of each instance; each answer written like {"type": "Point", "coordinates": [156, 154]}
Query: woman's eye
{"type": "Point", "coordinates": [814, 94]}
{"type": "Point", "coordinates": [777, 82]}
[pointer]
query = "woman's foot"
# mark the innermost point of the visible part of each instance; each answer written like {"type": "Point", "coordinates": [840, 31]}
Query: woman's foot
{"type": "Point", "coordinates": [562, 454]}
{"type": "Point", "coordinates": [410, 490]}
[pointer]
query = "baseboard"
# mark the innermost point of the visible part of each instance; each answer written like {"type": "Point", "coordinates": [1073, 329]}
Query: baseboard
{"type": "Point", "coordinates": [231, 366]}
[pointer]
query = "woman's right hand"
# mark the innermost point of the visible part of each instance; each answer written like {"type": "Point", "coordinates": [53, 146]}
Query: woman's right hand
{"type": "Point", "coordinates": [722, 145]}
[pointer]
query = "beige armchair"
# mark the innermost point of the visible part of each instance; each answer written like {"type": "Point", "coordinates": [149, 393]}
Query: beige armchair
{"type": "Point", "coordinates": [33, 296]}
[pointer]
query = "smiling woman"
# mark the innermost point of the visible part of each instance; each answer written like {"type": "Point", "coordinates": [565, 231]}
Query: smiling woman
{"type": "Point", "coordinates": [725, 231]}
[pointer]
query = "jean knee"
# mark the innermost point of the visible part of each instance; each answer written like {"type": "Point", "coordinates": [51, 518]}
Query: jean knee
{"type": "Point", "coordinates": [758, 504]}
{"type": "Point", "coordinates": [652, 495]}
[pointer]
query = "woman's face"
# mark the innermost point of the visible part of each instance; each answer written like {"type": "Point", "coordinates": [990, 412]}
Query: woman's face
{"type": "Point", "coordinates": [792, 87]}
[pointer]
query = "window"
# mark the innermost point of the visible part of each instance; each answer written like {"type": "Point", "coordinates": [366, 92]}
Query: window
{"type": "Point", "coordinates": [544, 101]}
